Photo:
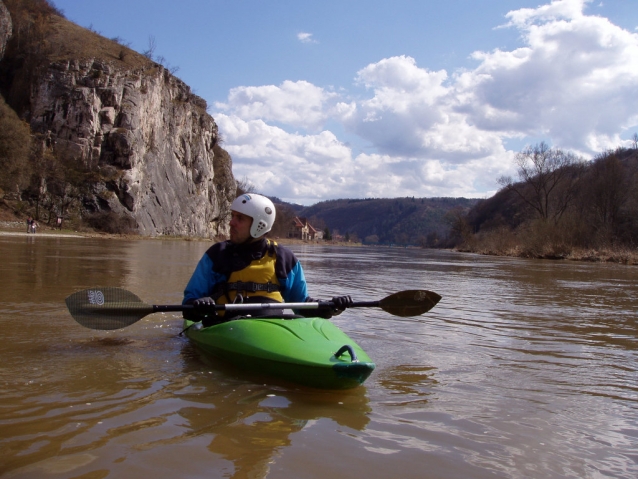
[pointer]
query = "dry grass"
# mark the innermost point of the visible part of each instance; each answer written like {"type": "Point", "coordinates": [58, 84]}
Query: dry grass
{"type": "Point", "coordinates": [499, 242]}
{"type": "Point", "coordinates": [69, 41]}
{"type": "Point", "coordinates": [609, 255]}
{"type": "Point", "coordinates": [490, 244]}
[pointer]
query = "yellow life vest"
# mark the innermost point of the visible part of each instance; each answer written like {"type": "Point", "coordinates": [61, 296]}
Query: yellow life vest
{"type": "Point", "coordinates": [258, 279]}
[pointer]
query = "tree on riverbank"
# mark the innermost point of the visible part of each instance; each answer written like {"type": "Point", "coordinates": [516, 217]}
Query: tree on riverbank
{"type": "Point", "coordinates": [561, 207]}
{"type": "Point", "coordinates": [548, 179]}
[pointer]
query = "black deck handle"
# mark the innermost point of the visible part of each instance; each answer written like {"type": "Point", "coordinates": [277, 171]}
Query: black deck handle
{"type": "Point", "coordinates": [348, 348]}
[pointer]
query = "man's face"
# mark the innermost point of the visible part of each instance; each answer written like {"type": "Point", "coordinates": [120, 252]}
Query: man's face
{"type": "Point", "coordinates": [240, 227]}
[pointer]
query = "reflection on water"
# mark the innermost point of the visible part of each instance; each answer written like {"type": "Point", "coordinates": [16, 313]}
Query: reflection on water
{"type": "Point", "coordinates": [524, 369]}
{"type": "Point", "coordinates": [410, 384]}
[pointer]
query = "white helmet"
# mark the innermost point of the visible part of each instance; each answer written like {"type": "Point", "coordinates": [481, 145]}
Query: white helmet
{"type": "Point", "coordinates": [259, 208]}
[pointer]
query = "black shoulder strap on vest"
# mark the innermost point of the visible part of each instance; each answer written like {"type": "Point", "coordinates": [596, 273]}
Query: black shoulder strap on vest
{"type": "Point", "coordinates": [226, 262]}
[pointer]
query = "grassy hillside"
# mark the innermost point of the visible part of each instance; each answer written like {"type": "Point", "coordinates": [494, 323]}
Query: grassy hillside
{"type": "Point", "coordinates": [41, 36]}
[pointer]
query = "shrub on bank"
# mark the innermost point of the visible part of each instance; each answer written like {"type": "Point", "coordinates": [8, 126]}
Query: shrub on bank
{"type": "Point", "coordinates": [546, 240]}
{"type": "Point", "coordinates": [501, 241]}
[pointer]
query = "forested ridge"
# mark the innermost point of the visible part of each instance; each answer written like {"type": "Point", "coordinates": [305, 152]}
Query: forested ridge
{"type": "Point", "coordinates": [402, 221]}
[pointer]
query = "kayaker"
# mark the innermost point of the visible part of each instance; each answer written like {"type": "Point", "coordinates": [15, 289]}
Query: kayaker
{"type": "Point", "coordinates": [250, 268]}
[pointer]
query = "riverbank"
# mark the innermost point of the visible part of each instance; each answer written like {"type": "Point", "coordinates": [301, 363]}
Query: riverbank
{"type": "Point", "coordinates": [607, 255]}
{"type": "Point", "coordinates": [18, 228]}
{"type": "Point", "coordinates": [624, 256]}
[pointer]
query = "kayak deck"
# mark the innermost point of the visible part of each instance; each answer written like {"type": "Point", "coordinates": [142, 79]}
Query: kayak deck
{"type": "Point", "coordinates": [309, 351]}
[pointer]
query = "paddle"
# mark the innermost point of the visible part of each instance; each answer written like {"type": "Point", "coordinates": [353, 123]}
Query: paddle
{"type": "Point", "coordinates": [115, 308]}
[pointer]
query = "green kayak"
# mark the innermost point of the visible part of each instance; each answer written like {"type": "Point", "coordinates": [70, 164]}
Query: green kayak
{"type": "Point", "coordinates": [308, 351]}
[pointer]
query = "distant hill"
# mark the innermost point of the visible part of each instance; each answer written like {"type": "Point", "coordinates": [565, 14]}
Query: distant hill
{"type": "Point", "coordinates": [292, 207]}
{"type": "Point", "coordinates": [387, 220]}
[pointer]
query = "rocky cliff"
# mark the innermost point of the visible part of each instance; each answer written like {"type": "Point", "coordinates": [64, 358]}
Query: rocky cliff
{"type": "Point", "coordinates": [6, 28]}
{"type": "Point", "coordinates": [147, 138]}
{"type": "Point", "coordinates": [147, 134]}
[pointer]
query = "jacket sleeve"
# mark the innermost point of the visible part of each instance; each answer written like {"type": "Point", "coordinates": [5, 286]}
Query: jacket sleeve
{"type": "Point", "coordinates": [202, 281]}
{"type": "Point", "coordinates": [296, 291]}
{"type": "Point", "coordinates": [294, 288]}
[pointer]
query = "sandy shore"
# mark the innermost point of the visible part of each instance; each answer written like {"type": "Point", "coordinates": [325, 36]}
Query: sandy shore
{"type": "Point", "coordinates": [47, 234]}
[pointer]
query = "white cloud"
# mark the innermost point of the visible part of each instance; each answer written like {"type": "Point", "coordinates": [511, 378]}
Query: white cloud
{"type": "Point", "coordinates": [300, 103]}
{"type": "Point", "coordinates": [309, 168]}
{"type": "Point", "coordinates": [413, 113]}
{"type": "Point", "coordinates": [304, 37]}
{"type": "Point", "coordinates": [557, 10]}
{"type": "Point", "coordinates": [289, 165]}
{"type": "Point", "coordinates": [574, 83]}
{"type": "Point", "coordinates": [406, 104]}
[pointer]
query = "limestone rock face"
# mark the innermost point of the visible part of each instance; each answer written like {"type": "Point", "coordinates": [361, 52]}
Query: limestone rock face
{"type": "Point", "coordinates": [149, 138]}
{"type": "Point", "coordinates": [6, 28]}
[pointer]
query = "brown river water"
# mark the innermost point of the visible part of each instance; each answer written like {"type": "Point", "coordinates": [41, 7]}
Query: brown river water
{"type": "Point", "coordinates": [525, 369]}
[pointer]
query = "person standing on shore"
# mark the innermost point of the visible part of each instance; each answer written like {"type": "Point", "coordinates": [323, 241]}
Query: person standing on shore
{"type": "Point", "coordinates": [29, 224]}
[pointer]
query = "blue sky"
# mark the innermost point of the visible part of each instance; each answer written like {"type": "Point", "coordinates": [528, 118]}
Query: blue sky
{"type": "Point", "coordinates": [328, 99]}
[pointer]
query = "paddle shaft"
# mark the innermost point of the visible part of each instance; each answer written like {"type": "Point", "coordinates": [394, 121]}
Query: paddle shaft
{"type": "Point", "coordinates": [163, 308]}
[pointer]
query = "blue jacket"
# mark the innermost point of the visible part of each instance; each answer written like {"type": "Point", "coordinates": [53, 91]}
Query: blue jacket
{"type": "Point", "coordinates": [223, 258]}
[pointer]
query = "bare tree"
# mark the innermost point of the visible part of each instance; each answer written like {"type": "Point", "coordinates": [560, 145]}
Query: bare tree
{"type": "Point", "coordinates": [635, 140]}
{"type": "Point", "coordinates": [548, 179]}
{"type": "Point", "coordinates": [317, 223]}
{"type": "Point", "coordinates": [150, 51]}
{"type": "Point", "coordinates": [245, 186]}
{"type": "Point", "coordinates": [283, 221]}
{"type": "Point", "coordinates": [607, 188]}
{"type": "Point", "coordinates": [460, 229]}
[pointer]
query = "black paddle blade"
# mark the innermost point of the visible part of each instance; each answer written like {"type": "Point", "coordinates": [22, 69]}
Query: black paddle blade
{"type": "Point", "coordinates": [410, 303]}
{"type": "Point", "coordinates": [106, 308]}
